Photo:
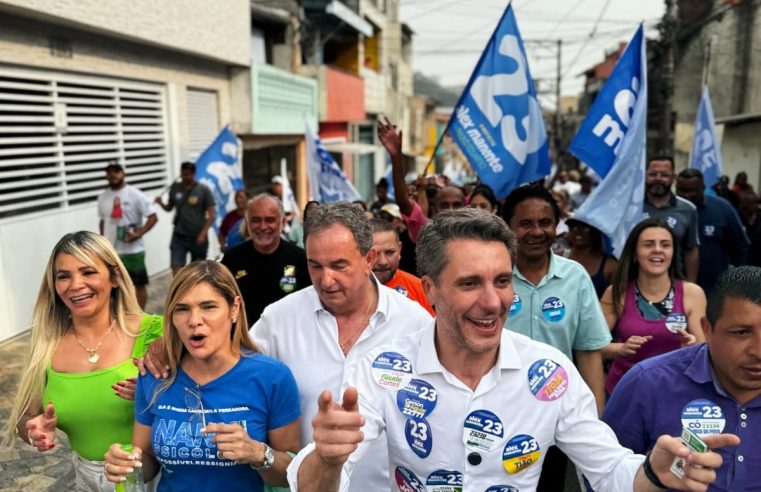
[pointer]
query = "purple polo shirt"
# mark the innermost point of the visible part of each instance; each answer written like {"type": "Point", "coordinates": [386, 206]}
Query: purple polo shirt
{"type": "Point", "coordinates": [660, 395]}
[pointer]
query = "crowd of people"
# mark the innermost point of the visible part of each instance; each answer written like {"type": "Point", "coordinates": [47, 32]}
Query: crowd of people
{"type": "Point", "coordinates": [439, 337]}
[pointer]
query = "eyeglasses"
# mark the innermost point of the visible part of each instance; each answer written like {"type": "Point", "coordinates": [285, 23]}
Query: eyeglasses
{"type": "Point", "coordinates": [194, 404]}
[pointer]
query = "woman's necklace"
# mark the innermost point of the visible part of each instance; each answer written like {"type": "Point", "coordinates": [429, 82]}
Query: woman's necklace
{"type": "Point", "coordinates": [94, 357]}
{"type": "Point", "coordinates": [346, 344]}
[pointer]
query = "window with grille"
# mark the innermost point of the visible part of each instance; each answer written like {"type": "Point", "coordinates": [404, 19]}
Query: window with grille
{"type": "Point", "coordinates": [58, 131]}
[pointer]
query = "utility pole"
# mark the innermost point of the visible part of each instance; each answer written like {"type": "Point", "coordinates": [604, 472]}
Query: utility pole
{"type": "Point", "coordinates": [670, 21]}
{"type": "Point", "coordinates": [558, 79]}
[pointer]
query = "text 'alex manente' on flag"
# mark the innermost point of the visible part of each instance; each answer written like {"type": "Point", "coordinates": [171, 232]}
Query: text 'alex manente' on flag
{"type": "Point", "coordinates": [706, 151]}
{"type": "Point", "coordinates": [497, 123]}
{"type": "Point", "coordinates": [612, 140]}
{"type": "Point", "coordinates": [327, 182]}
{"type": "Point", "coordinates": [217, 168]}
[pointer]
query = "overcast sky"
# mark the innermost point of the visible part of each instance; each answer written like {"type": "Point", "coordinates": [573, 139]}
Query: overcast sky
{"type": "Point", "coordinates": [451, 34]}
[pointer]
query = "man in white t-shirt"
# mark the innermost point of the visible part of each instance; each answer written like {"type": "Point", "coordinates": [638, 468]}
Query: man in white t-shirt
{"type": "Point", "coordinates": [126, 214]}
{"type": "Point", "coordinates": [320, 330]}
{"type": "Point", "coordinates": [467, 405]}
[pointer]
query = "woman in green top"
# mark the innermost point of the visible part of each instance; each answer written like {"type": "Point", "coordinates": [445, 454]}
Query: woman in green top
{"type": "Point", "coordinates": [87, 328]}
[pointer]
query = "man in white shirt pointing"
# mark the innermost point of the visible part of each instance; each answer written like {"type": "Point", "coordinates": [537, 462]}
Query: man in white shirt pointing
{"type": "Point", "coordinates": [467, 404]}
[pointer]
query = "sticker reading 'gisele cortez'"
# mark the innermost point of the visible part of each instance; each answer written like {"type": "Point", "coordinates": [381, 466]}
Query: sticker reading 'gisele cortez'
{"type": "Point", "coordinates": [482, 431]}
{"type": "Point", "coordinates": [444, 481]}
{"type": "Point", "coordinates": [392, 371]}
{"type": "Point", "coordinates": [553, 309]}
{"type": "Point", "coordinates": [407, 481]}
{"type": "Point", "coordinates": [417, 399]}
{"type": "Point", "coordinates": [519, 453]}
{"type": "Point", "coordinates": [547, 380]}
{"type": "Point", "coordinates": [515, 308]}
{"type": "Point", "coordinates": [502, 488]}
{"type": "Point", "coordinates": [419, 437]}
{"type": "Point", "coordinates": [703, 417]}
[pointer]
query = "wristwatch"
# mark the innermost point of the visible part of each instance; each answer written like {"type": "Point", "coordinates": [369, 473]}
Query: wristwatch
{"type": "Point", "coordinates": [269, 460]}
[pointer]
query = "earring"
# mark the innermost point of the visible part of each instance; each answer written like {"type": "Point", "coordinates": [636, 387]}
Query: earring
{"type": "Point", "coordinates": [235, 320]}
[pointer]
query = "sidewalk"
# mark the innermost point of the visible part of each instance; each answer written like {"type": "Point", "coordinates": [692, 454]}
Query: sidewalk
{"type": "Point", "coordinates": [23, 468]}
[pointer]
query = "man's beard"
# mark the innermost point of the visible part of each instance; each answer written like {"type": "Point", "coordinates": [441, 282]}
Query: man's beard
{"type": "Point", "coordinates": [657, 189]}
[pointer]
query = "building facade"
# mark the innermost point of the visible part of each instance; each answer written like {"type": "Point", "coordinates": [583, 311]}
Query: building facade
{"type": "Point", "coordinates": [148, 84]}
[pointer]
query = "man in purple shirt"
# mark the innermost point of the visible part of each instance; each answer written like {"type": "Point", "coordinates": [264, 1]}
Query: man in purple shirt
{"type": "Point", "coordinates": [710, 388]}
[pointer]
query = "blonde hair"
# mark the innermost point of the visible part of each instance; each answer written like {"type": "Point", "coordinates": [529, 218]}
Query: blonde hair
{"type": "Point", "coordinates": [51, 318]}
{"type": "Point", "coordinates": [219, 278]}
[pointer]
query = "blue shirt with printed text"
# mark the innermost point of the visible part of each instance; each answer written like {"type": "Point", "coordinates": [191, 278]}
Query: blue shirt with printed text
{"type": "Point", "coordinates": [259, 393]}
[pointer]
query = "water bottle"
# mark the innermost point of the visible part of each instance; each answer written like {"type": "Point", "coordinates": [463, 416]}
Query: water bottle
{"type": "Point", "coordinates": [134, 481]}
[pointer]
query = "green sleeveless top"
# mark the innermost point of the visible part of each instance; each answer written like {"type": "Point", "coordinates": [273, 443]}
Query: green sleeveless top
{"type": "Point", "coordinates": [88, 410]}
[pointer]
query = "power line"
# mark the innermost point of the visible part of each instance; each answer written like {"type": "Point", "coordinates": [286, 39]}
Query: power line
{"type": "Point", "coordinates": [591, 35]}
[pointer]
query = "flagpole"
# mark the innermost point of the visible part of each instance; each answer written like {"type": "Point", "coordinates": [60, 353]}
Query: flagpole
{"type": "Point", "coordinates": [467, 87]}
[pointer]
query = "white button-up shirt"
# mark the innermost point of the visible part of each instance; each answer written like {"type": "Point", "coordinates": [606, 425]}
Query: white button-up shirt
{"type": "Point", "coordinates": [441, 433]}
{"type": "Point", "coordinates": [300, 332]}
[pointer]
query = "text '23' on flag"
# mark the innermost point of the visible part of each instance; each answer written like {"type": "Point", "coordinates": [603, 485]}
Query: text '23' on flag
{"type": "Point", "coordinates": [497, 123]}
{"type": "Point", "coordinates": [217, 168]}
{"type": "Point", "coordinates": [612, 140]}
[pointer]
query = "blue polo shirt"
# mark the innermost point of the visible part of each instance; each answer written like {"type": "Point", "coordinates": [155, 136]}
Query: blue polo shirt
{"type": "Point", "coordinates": [562, 311]}
{"type": "Point", "coordinates": [660, 395]}
{"type": "Point", "coordinates": [722, 240]}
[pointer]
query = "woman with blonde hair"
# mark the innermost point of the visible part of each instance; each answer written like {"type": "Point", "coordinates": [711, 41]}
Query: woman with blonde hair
{"type": "Point", "coordinates": [227, 415]}
{"type": "Point", "coordinates": [87, 328]}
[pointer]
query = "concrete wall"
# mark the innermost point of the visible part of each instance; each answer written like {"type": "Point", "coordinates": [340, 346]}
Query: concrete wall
{"type": "Point", "coordinates": [733, 68]}
{"type": "Point", "coordinates": [208, 28]}
{"type": "Point", "coordinates": [24, 42]}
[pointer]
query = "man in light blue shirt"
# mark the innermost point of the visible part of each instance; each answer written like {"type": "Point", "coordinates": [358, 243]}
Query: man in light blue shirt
{"type": "Point", "coordinates": [555, 302]}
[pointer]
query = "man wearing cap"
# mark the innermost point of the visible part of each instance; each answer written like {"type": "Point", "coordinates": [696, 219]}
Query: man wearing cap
{"type": "Point", "coordinates": [388, 252]}
{"type": "Point", "coordinates": [195, 213]}
{"type": "Point", "coordinates": [126, 214]}
{"type": "Point", "coordinates": [391, 214]}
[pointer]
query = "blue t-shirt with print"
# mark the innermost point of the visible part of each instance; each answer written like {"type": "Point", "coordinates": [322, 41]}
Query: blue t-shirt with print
{"type": "Point", "coordinates": [259, 393]}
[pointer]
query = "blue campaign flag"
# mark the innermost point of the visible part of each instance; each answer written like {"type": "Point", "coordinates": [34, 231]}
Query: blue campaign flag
{"type": "Point", "coordinates": [497, 123]}
{"type": "Point", "coordinates": [217, 168]}
{"type": "Point", "coordinates": [327, 182]}
{"type": "Point", "coordinates": [615, 206]}
{"type": "Point", "coordinates": [706, 154]}
{"type": "Point", "coordinates": [601, 134]}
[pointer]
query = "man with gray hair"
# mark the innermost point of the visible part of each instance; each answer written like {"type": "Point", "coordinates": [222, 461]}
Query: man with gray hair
{"type": "Point", "coordinates": [318, 331]}
{"type": "Point", "coordinates": [266, 267]}
{"type": "Point", "coordinates": [467, 405]}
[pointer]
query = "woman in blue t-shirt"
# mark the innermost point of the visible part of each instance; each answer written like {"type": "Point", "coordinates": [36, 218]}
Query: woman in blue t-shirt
{"type": "Point", "coordinates": [227, 415]}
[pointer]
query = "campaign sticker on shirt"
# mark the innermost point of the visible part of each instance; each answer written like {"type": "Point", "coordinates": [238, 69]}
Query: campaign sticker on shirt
{"type": "Point", "coordinates": [400, 289]}
{"type": "Point", "coordinates": [553, 309]}
{"type": "Point", "coordinates": [703, 417]}
{"type": "Point", "coordinates": [519, 453]}
{"type": "Point", "coordinates": [516, 307]}
{"type": "Point", "coordinates": [547, 380]}
{"type": "Point", "coordinates": [288, 280]}
{"type": "Point", "coordinates": [483, 429]}
{"type": "Point", "coordinates": [502, 488]}
{"type": "Point", "coordinates": [407, 481]}
{"type": "Point", "coordinates": [419, 437]}
{"type": "Point", "coordinates": [192, 200]}
{"type": "Point", "coordinates": [676, 322]}
{"type": "Point", "coordinates": [417, 399]}
{"type": "Point", "coordinates": [444, 481]}
{"type": "Point", "coordinates": [392, 371]}
{"type": "Point", "coordinates": [178, 196]}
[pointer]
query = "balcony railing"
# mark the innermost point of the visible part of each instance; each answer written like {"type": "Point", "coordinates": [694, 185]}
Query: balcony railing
{"type": "Point", "coordinates": [282, 102]}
